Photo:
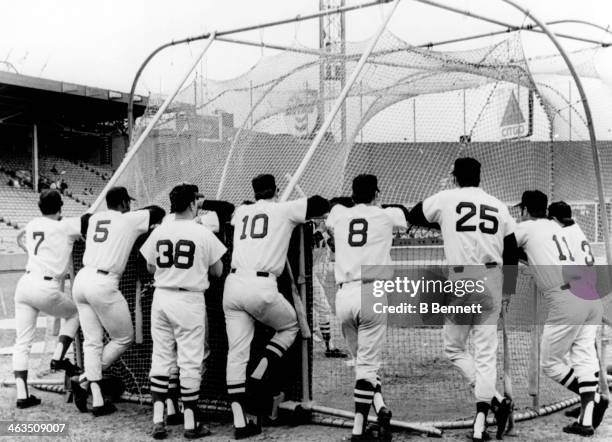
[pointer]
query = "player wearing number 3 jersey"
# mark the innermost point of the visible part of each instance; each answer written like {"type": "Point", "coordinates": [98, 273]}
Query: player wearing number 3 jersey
{"type": "Point", "coordinates": [110, 237]}
{"type": "Point", "coordinates": [180, 253]}
{"type": "Point", "coordinates": [556, 255]}
{"type": "Point", "coordinates": [363, 236]}
{"type": "Point", "coordinates": [261, 240]}
{"type": "Point", "coordinates": [478, 234]}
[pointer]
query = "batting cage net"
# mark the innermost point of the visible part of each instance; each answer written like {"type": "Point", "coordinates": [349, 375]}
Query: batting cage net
{"type": "Point", "coordinates": [403, 113]}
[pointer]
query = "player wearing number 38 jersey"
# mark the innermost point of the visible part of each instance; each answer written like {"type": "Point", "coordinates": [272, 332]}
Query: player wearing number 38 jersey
{"type": "Point", "coordinates": [180, 253]}
{"type": "Point", "coordinates": [363, 235]}
{"type": "Point", "coordinates": [110, 237]}
{"type": "Point", "coordinates": [261, 240]}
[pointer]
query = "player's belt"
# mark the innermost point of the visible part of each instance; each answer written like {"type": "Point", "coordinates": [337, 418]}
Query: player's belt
{"type": "Point", "coordinates": [102, 272]}
{"type": "Point", "coordinates": [259, 274]}
{"type": "Point", "coordinates": [366, 281]}
{"type": "Point", "coordinates": [461, 269]}
{"type": "Point", "coordinates": [566, 286]}
{"type": "Point", "coordinates": [46, 278]}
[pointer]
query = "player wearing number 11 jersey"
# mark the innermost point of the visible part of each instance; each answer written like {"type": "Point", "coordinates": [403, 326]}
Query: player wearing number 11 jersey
{"type": "Point", "coordinates": [261, 240]}
{"type": "Point", "coordinates": [180, 253]}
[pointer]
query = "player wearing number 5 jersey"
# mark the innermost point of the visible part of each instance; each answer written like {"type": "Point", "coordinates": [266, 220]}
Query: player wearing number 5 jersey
{"type": "Point", "coordinates": [478, 234]}
{"type": "Point", "coordinates": [48, 242]}
{"type": "Point", "coordinates": [363, 235]}
{"type": "Point", "coordinates": [110, 237]}
{"type": "Point", "coordinates": [261, 240]}
{"type": "Point", "coordinates": [180, 253]}
{"type": "Point", "coordinates": [568, 339]}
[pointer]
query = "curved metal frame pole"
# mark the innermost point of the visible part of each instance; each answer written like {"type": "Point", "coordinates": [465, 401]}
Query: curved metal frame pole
{"type": "Point", "coordinates": [580, 22]}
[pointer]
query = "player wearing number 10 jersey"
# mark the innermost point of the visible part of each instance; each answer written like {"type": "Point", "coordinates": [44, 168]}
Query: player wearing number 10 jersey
{"type": "Point", "coordinates": [568, 338]}
{"type": "Point", "coordinates": [363, 235]}
{"type": "Point", "coordinates": [478, 234]}
{"type": "Point", "coordinates": [261, 240]}
{"type": "Point", "coordinates": [180, 253]}
{"type": "Point", "coordinates": [110, 237]}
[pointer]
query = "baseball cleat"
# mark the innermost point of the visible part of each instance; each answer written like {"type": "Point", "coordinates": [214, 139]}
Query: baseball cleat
{"type": "Point", "coordinates": [107, 408]}
{"type": "Point", "coordinates": [175, 419]}
{"type": "Point", "coordinates": [65, 365]}
{"type": "Point", "coordinates": [28, 402]}
{"type": "Point", "coordinates": [384, 424]}
{"type": "Point", "coordinates": [200, 430]}
{"type": "Point", "coordinates": [599, 411]}
{"type": "Point", "coordinates": [159, 431]}
{"type": "Point", "coordinates": [579, 429]}
{"type": "Point", "coordinates": [484, 437]}
{"type": "Point", "coordinates": [335, 353]}
{"type": "Point", "coordinates": [502, 411]}
{"type": "Point", "coordinates": [251, 429]}
{"type": "Point", "coordinates": [574, 412]}
{"type": "Point", "coordinates": [79, 394]}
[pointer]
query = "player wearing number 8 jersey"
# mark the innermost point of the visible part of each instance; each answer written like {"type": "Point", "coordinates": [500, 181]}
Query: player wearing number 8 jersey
{"type": "Point", "coordinates": [478, 234]}
{"type": "Point", "coordinates": [363, 235]}
{"type": "Point", "coordinates": [568, 338]}
{"type": "Point", "coordinates": [180, 253]}
{"type": "Point", "coordinates": [48, 242]}
{"type": "Point", "coordinates": [110, 237]}
{"type": "Point", "coordinates": [261, 240]}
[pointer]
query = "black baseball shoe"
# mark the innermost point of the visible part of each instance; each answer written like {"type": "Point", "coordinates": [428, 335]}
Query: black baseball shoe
{"type": "Point", "coordinates": [159, 431]}
{"type": "Point", "coordinates": [335, 353]}
{"type": "Point", "coordinates": [28, 402]}
{"type": "Point", "coordinates": [200, 430]}
{"type": "Point", "coordinates": [384, 424]}
{"type": "Point", "coordinates": [370, 434]}
{"type": "Point", "coordinates": [65, 365]}
{"type": "Point", "coordinates": [251, 429]}
{"type": "Point", "coordinates": [599, 410]}
{"type": "Point", "coordinates": [579, 429]}
{"type": "Point", "coordinates": [175, 419]}
{"type": "Point", "coordinates": [574, 412]}
{"type": "Point", "coordinates": [502, 411]}
{"type": "Point", "coordinates": [103, 410]}
{"type": "Point", "coordinates": [79, 394]}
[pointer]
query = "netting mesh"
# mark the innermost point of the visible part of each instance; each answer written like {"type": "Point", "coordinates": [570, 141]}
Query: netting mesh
{"type": "Point", "coordinates": [410, 113]}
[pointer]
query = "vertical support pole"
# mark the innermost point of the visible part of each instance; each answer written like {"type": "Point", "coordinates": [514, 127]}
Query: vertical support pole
{"type": "Point", "coordinates": [302, 285]}
{"type": "Point", "coordinates": [342, 72]}
{"type": "Point", "coordinates": [251, 101]}
{"type": "Point", "coordinates": [35, 168]}
{"type": "Point", "coordinates": [414, 119]}
{"type": "Point", "coordinates": [569, 99]}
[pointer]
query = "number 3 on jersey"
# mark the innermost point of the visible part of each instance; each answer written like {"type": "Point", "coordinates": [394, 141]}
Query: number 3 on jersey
{"type": "Point", "coordinates": [179, 256]}
{"type": "Point", "coordinates": [358, 232]}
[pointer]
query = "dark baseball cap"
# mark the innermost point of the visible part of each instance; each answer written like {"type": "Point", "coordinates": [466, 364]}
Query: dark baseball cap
{"type": "Point", "coordinates": [183, 195]}
{"type": "Point", "coordinates": [263, 183]}
{"type": "Point", "coordinates": [50, 201]}
{"type": "Point", "coordinates": [560, 210]}
{"type": "Point", "coordinates": [534, 201]}
{"type": "Point", "coordinates": [117, 195]}
{"type": "Point", "coordinates": [466, 166]}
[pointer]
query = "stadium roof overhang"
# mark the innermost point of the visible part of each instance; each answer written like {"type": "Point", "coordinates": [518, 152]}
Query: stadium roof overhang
{"type": "Point", "coordinates": [26, 100]}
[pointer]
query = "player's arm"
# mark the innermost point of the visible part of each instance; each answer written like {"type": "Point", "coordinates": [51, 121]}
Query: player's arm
{"type": "Point", "coordinates": [510, 257]}
{"type": "Point", "coordinates": [416, 217]}
{"type": "Point", "coordinates": [21, 240]}
{"type": "Point", "coordinates": [216, 269]}
{"type": "Point", "coordinates": [85, 224]}
{"type": "Point", "coordinates": [223, 209]}
{"type": "Point", "coordinates": [216, 250]}
{"type": "Point", "coordinates": [156, 215]}
{"type": "Point", "coordinates": [316, 207]}
{"type": "Point", "coordinates": [148, 252]}
{"type": "Point", "coordinates": [398, 215]}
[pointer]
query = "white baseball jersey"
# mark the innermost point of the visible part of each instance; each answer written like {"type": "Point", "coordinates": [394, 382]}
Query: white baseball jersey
{"type": "Point", "coordinates": [262, 232]}
{"type": "Point", "coordinates": [363, 236]}
{"type": "Point", "coordinates": [579, 245]}
{"type": "Point", "coordinates": [547, 250]}
{"type": "Point", "coordinates": [110, 237]}
{"type": "Point", "coordinates": [208, 219]}
{"type": "Point", "coordinates": [474, 224]}
{"type": "Point", "coordinates": [49, 244]}
{"type": "Point", "coordinates": [182, 251]}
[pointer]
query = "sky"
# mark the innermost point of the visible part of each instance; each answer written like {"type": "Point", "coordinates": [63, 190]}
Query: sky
{"type": "Point", "coordinates": [102, 43]}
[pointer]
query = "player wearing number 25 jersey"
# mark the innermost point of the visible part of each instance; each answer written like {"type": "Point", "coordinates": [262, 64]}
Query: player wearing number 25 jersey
{"type": "Point", "coordinates": [261, 240]}
{"type": "Point", "coordinates": [478, 234]}
{"type": "Point", "coordinates": [568, 338]}
{"type": "Point", "coordinates": [180, 253]}
{"type": "Point", "coordinates": [48, 242]}
{"type": "Point", "coordinates": [363, 235]}
{"type": "Point", "coordinates": [110, 237]}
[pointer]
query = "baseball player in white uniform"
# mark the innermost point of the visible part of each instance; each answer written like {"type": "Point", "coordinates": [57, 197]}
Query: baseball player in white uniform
{"type": "Point", "coordinates": [478, 234]}
{"type": "Point", "coordinates": [180, 253]}
{"type": "Point", "coordinates": [363, 235]}
{"type": "Point", "coordinates": [568, 339]}
{"type": "Point", "coordinates": [110, 237]}
{"type": "Point", "coordinates": [261, 240]}
{"type": "Point", "coordinates": [48, 242]}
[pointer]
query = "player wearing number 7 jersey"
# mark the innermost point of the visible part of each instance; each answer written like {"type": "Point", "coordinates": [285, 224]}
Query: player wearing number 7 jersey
{"type": "Point", "coordinates": [478, 234]}
{"type": "Point", "coordinates": [363, 235]}
{"type": "Point", "coordinates": [180, 253]}
{"type": "Point", "coordinates": [48, 242]}
{"type": "Point", "coordinates": [110, 237]}
{"type": "Point", "coordinates": [261, 240]}
{"type": "Point", "coordinates": [568, 338]}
